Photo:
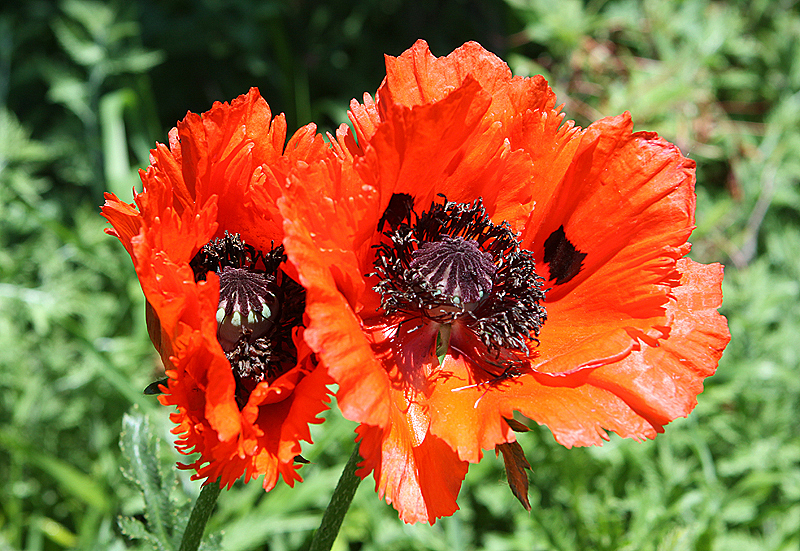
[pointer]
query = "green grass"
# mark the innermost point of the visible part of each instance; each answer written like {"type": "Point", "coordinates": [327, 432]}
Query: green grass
{"type": "Point", "coordinates": [86, 88]}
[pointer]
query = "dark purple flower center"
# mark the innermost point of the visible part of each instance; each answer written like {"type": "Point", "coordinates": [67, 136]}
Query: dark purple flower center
{"type": "Point", "coordinates": [453, 264]}
{"type": "Point", "coordinates": [457, 267]}
{"type": "Point", "coordinates": [259, 308]}
{"type": "Point", "coordinates": [246, 306]}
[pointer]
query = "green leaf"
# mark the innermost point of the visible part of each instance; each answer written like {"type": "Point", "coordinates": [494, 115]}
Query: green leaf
{"type": "Point", "coordinates": [94, 17]}
{"type": "Point", "coordinates": [79, 48]}
{"type": "Point", "coordinates": [166, 517]}
{"type": "Point", "coordinates": [141, 466]}
{"type": "Point", "coordinates": [136, 61]}
{"type": "Point", "coordinates": [55, 531]}
{"type": "Point", "coordinates": [136, 530]}
{"type": "Point", "coordinates": [120, 178]}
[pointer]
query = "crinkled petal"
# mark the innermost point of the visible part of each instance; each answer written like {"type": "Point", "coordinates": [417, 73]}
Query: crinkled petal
{"type": "Point", "coordinates": [327, 223]}
{"type": "Point", "coordinates": [661, 382]}
{"type": "Point", "coordinates": [624, 193]}
{"type": "Point", "coordinates": [422, 481]}
{"type": "Point", "coordinates": [621, 218]}
{"type": "Point", "coordinates": [398, 157]}
{"type": "Point", "coordinates": [636, 396]}
{"type": "Point", "coordinates": [417, 78]}
{"type": "Point", "coordinates": [462, 411]}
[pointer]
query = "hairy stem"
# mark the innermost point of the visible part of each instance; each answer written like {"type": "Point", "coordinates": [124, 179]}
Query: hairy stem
{"type": "Point", "coordinates": [199, 517]}
{"type": "Point", "coordinates": [338, 506]}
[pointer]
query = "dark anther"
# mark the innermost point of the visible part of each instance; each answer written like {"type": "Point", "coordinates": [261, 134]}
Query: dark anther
{"type": "Point", "coordinates": [259, 307]}
{"type": "Point", "coordinates": [231, 251]}
{"type": "Point", "coordinates": [453, 264]}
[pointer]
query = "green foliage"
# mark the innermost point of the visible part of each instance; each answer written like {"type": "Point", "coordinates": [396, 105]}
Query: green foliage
{"type": "Point", "coordinates": [165, 515]}
{"type": "Point", "coordinates": [87, 87]}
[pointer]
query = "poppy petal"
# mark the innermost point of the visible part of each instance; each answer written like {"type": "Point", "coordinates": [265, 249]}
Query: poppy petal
{"type": "Point", "coordinates": [617, 280]}
{"type": "Point", "coordinates": [417, 77]}
{"type": "Point", "coordinates": [472, 157]}
{"type": "Point", "coordinates": [638, 395]}
{"type": "Point", "coordinates": [399, 157]}
{"type": "Point", "coordinates": [404, 472]}
{"type": "Point", "coordinates": [662, 382]}
{"type": "Point", "coordinates": [460, 412]}
{"type": "Point", "coordinates": [623, 193]}
{"type": "Point", "coordinates": [321, 240]}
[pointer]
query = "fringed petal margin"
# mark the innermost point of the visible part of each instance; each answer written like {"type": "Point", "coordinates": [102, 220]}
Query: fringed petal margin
{"type": "Point", "coordinates": [405, 474]}
{"type": "Point", "coordinates": [657, 382]}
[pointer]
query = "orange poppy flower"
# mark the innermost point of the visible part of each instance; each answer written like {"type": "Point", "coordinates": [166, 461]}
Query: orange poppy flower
{"type": "Point", "coordinates": [224, 310]}
{"type": "Point", "coordinates": [470, 254]}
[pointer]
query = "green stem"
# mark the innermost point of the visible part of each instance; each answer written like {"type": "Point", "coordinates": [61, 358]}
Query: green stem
{"type": "Point", "coordinates": [199, 517]}
{"type": "Point", "coordinates": [338, 506]}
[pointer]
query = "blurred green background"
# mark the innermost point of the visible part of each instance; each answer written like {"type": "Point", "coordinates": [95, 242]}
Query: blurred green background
{"type": "Point", "coordinates": [87, 88]}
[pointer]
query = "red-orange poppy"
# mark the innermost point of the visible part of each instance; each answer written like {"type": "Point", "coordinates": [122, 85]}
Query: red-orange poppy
{"type": "Point", "coordinates": [224, 310]}
{"type": "Point", "coordinates": [471, 255]}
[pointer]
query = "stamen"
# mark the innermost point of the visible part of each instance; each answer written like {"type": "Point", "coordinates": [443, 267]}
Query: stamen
{"type": "Point", "coordinates": [259, 309]}
{"type": "Point", "coordinates": [457, 267]}
{"type": "Point", "coordinates": [453, 265]}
